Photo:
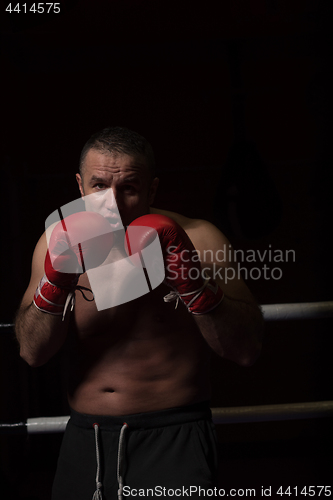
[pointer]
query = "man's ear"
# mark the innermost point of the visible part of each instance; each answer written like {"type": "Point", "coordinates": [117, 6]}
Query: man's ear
{"type": "Point", "coordinates": [153, 189]}
{"type": "Point", "coordinates": [79, 181]}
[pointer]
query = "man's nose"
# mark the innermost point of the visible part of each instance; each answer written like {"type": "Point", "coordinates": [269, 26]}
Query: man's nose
{"type": "Point", "coordinates": [110, 200]}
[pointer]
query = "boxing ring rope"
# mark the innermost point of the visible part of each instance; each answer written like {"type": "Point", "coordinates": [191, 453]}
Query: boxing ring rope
{"type": "Point", "coordinates": [242, 414]}
{"type": "Point", "coordinates": [282, 312]}
{"type": "Point", "coordinates": [304, 310]}
{"type": "Point", "coordinates": [235, 415]}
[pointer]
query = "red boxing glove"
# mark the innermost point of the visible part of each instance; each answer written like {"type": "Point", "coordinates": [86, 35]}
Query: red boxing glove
{"type": "Point", "coordinates": [199, 293]}
{"type": "Point", "coordinates": [79, 242]}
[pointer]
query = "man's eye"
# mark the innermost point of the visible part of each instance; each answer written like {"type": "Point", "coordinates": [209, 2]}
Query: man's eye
{"type": "Point", "coordinates": [100, 186]}
{"type": "Point", "coordinates": [127, 187]}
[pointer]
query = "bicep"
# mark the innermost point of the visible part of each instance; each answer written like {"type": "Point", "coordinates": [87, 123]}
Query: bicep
{"type": "Point", "coordinates": [230, 281]}
{"type": "Point", "coordinates": [37, 271]}
{"type": "Point", "coordinates": [217, 258]}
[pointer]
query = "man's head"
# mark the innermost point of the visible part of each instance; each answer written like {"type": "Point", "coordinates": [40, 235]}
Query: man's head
{"type": "Point", "coordinates": [117, 168]}
{"type": "Point", "coordinates": [117, 141]}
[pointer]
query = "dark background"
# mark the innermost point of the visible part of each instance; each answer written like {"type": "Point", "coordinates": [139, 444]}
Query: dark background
{"type": "Point", "coordinates": [235, 98]}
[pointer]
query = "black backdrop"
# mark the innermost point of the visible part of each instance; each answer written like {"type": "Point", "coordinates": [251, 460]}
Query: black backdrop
{"type": "Point", "coordinates": [235, 100]}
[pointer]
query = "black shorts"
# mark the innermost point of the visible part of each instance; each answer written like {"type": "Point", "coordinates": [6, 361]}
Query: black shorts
{"type": "Point", "coordinates": [167, 453]}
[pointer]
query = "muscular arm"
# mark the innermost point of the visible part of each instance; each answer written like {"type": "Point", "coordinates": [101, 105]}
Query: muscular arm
{"type": "Point", "coordinates": [234, 329]}
{"type": "Point", "coordinates": [40, 335]}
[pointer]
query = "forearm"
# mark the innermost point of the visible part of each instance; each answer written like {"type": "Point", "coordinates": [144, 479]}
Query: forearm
{"type": "Point", "coordinates": [40, 335]}
{"type": "Point", "coordinates": [234, 330]}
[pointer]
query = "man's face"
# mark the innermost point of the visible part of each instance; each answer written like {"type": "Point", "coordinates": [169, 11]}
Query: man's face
{"type": "Point", "coordinates": [118, 183]}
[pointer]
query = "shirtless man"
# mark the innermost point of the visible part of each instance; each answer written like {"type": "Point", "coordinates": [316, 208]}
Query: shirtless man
{"type": "Point", "coordinates": [143, 362]}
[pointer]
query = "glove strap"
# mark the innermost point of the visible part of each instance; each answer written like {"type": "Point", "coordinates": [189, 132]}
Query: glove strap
{"type": "Point", "coordinates": [209, 294]}
{"type": "Point", "coordinates": [55, 300]}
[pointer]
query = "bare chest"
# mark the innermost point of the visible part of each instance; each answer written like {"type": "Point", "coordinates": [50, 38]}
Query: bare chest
{"type": "Point", "coordinates": [124, 306]}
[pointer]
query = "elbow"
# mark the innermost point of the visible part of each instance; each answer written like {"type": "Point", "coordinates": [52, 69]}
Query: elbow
{"type": "Point", "coordinates": [245, 357]}
{"type": "Point", "coordinates": [251, 350]}
{"type": "Point", "coordinates": [254, 348]}
{"type": "Point", "coordinates": [32, 360]}
{"type": "Point", "coordinates": [250, 357]}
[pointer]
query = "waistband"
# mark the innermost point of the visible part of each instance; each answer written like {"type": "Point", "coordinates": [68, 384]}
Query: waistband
{"type": "Point", "coordinates": [149, 420]}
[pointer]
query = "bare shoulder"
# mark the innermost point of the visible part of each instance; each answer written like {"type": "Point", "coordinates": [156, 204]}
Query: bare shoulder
{"type": "Point", "coordinates": [203, 234]}
{"type": "Point", "coordinates": [184, 222]}
{"type": "Point", "coordinates": [216, 255]}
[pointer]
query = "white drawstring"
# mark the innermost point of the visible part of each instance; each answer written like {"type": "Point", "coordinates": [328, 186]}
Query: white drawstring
{"type": "Point", "coordinates": [98, 493]}
{"type": "Point", "coordinates": [120, 458]}
{"type": "Point", "coordinates": [121, 454]}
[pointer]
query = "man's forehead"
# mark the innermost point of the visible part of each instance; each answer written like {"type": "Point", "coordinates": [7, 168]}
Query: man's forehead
{"type": "Point", "coordinates": [113, 164]}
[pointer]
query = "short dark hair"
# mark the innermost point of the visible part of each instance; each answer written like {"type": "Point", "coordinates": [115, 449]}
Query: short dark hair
{"type": "Point", "coordinates": [119, 140]}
